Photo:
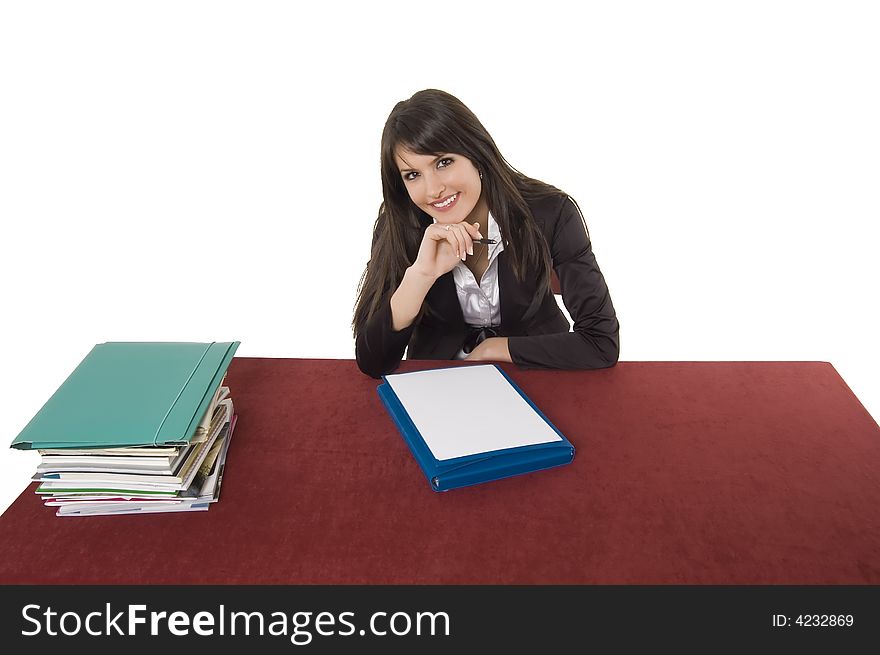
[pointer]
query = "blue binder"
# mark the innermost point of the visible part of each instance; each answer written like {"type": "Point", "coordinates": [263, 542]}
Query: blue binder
{"type": "Point", "coordinates": [481, 467]}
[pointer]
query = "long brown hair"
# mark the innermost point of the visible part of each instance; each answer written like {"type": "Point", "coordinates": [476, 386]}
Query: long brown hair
{"type": "Point", "coordinates": [432, 122]}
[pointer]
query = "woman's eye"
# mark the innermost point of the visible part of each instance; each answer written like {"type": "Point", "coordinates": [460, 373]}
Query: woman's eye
{"type": "Point", "coordinates": [410, 176]}
{"type": "Point", "coordinates": [443, 163]}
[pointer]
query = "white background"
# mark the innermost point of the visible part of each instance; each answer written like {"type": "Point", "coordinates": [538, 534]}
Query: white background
{"type": "Point", "coordinates": [209, 171]}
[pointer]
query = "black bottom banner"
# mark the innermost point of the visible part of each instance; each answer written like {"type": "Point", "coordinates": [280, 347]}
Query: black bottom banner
{"type": "Point", "coordinates": [430, 619]}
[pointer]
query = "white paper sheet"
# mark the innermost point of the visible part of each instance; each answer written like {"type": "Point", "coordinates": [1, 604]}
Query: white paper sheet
{"type": "Point", "coordinates": [468, 410]}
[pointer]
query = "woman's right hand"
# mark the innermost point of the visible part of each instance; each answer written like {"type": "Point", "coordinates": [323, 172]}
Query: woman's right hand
{"type": "Point", "coordinates": [443, 246]}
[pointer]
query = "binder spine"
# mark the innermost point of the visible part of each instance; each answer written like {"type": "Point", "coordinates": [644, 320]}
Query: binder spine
{"type": "Point", "coordinates": [180, 393]}
{"type": "Point", "coordinates": [498, 468]}
{"type": "Point", "coordinates": [196, 394]}
{"type": "Point", "coordinates": [408, 431]}
{"type": "Point", "coordinates": [211, 390]}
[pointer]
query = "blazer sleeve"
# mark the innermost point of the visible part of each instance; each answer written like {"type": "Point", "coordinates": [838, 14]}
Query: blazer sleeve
{"type": "Point", "coordinates": [594, 339]}
{"type": "Point", "coordinates": [378, 348]}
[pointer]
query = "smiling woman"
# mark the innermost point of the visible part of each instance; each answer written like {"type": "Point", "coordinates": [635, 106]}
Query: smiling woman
{"type": "Point", "coordinates": [463, 252]}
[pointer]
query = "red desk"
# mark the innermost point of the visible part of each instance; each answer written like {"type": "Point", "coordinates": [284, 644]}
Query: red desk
{"type": "Point", "coordinates": [686, 473]}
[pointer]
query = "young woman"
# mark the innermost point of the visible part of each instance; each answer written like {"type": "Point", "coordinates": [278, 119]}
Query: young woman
{"type": "Point", "coordinates": [464, 251]}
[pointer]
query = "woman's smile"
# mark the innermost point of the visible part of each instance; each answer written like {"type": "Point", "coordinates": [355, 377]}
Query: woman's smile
{"type": "Point", "coordinates": [447, 203]}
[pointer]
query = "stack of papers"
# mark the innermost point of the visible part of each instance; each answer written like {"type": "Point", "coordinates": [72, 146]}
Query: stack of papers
{"type": "Point", "coordinates": [136, 428]}
{"type": "Point", "coordinates": [139, 479]}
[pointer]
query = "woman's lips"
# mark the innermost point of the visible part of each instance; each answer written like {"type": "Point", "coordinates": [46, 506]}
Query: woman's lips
{"type": "Point", "coordinates": [446, 203]}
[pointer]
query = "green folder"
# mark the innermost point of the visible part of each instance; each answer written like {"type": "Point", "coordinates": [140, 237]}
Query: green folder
{"type": "Point", "coordinates": [131, 394]}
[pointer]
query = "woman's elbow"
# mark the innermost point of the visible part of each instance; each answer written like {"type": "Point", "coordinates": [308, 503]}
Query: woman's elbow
{"type": "Point", "coordinates": [605, 352]}
{"type": "Point", "coordinates": [371, 363]}
{"type": "Point", "coordinates": [601, 346]}
{"type": "Point", "coordinates": [366, 361]}
{"type": "Point", "coordinates": [611, 349]}
{"type": "Point", "coordinates": [367, 369]}
{"type": "Point", "coordinates": [611, 356]}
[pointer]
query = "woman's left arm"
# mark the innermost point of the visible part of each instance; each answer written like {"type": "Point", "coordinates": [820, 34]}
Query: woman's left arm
{"type": "Point", "coordinates": [594, 341]}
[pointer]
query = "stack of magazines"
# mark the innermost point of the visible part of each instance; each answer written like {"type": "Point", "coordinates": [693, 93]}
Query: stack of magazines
{"type": "Point", "coordinates": [136, 428]}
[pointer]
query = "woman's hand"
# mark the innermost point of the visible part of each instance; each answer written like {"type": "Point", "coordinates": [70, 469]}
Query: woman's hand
{"type": "Point", "coordinates": [493, 349]}
{"type": "Point", "coordinates": [443, 246]}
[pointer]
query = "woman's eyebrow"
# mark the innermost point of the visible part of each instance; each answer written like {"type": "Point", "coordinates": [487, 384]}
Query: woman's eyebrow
{"type": "Point", "coordinates": [416, 170]}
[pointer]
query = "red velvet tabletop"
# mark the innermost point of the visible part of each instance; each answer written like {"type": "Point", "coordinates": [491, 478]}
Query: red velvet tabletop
{"type": "Point", "coordinates": [685, 473]}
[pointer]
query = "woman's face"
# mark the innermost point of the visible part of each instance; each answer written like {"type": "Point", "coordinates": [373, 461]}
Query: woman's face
{"type": "Point", "coordinates": [446, 186]}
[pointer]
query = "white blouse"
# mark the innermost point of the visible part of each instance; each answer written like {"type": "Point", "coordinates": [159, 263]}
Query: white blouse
{"type": "Point", "coordinates": [480, 302]}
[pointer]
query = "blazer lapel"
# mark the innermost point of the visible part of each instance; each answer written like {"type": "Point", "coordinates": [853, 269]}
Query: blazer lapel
{"type": "Point", "coordinates": [443, 299]}
{"type": "Point", "coordinates": [513, 297]}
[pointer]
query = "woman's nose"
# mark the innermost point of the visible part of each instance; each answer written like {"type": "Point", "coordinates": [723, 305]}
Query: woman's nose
{"type": "Point", "coordinates": [436, 187]}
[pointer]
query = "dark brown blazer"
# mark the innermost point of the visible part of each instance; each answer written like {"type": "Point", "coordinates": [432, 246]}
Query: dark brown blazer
{"type": "Point", "coordinates": [544, 339]}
